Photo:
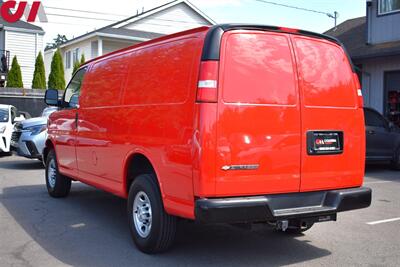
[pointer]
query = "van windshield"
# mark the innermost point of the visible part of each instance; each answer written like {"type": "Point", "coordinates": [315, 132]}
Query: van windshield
{"type": "Point", "coordinates": [4, 115]}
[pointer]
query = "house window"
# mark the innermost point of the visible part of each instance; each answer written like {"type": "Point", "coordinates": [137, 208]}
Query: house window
{"type": "Point", "coordinates": [75, 56]}
{"type": "Point", "coordinates": [388, 6]}
{"type": "Point", "coordinates": [68, 59]}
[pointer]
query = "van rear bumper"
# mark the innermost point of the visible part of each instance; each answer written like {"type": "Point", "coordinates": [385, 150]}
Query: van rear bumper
{"type": "Point", "coordinates": [281, 206]}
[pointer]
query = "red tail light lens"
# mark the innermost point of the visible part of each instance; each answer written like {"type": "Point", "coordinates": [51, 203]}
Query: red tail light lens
{"type": "Point", "coordinates": [359, 91]}
{"type": "Point", "coordinates": [207, 89]}
{"type": "Point", "coordinates": [291, 30]}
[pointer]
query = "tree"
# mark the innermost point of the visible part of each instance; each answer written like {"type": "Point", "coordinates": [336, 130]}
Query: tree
{"type": "Point", "coordinates": [39, 76]}
{"type": "Point", "coordinates": [56, 77]}
{"type": "Point", "coordinates": [59, 40]}
{"type": "Point", "coordinates": [14, 78]}
{"type": "Point", "coordinates": [83, 60]}
{"type": "Point", "coordinates": [77, 64]}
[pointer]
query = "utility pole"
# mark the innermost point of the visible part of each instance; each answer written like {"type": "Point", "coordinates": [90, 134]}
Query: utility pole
{"type": "Point", "coordinates": [335, 16]}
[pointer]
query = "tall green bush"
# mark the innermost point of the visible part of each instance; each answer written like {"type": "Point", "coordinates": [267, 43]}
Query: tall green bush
{"type": "Point", "coordinates": [83, 60]}
{"type": "Point", "coordinates": [56, 77]}
{"type": "Point", "coordinates": [77, 64]}
{"type": "Point", "coordinates": [39, 76]}
{"type": "Point", "coordinates": [14, 78]}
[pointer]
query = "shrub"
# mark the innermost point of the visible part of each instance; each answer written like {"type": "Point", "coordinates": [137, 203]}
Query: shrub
{"type": "Point", "coordinates": [14, 78]}
{"type": "Point", "coordinates": [83, 60]}
{"type": "Point", "coordinates": [77, 64]}
{"type": "Point", "coordinates": [39, 76]}
{"type": "Point", "coordinates": [56, 77]}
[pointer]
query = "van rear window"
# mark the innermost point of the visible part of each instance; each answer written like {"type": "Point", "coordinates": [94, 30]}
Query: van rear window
{"type": "Point", "coordinates": [326, 74]}
{"type": "Point", "coordinates": [258, 69]}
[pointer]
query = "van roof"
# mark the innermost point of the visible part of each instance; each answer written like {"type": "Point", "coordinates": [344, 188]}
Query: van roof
{"type": "Point", "coordinates": [213, 39]}
{"type": "Point", "coordinates": [212, 42]}
{"type": "Point", "coordinates": [156, 40]}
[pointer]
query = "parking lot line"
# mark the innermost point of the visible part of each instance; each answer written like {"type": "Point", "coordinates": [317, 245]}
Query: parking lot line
{"type": "Point", "coordinates": [384, 221]}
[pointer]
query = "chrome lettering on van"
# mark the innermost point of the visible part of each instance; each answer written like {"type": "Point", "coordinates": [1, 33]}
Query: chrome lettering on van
{"type": "Point", "coordinates": [240, 167]}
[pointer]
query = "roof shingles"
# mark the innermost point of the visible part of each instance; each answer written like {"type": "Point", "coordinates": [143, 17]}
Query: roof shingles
{"type": "Point", "coordinates": [353, 34]}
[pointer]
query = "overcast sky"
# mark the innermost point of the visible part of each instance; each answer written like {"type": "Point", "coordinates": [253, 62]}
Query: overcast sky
{"type": "Point", "coordinates": [221, 11]}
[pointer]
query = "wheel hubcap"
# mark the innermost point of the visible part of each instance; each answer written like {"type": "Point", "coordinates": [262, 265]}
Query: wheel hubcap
{"type": "Point", "coordinates": [142, 216]}
{"type": "Point", "coordinates": [52, 173]}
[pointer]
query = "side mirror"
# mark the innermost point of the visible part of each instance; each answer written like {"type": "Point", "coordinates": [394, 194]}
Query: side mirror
{"type": "Point", "coordinates": [19, 119]}
{"type": "Point", "coordinates": [51, 97]}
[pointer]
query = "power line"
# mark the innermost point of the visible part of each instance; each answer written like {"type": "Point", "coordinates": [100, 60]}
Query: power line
{"type": "Point", "coordinates": [87, 11]}
{"type": "Point", "coordinates": [79, 17]}
{"type": "Point", "coordinates": [107, 14]}
{"type": "Point", "coordinates": [335, 14]}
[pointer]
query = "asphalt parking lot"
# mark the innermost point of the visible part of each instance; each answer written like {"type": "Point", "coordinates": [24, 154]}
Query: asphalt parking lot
{"type": "Point", "coordinates": [89, 229]}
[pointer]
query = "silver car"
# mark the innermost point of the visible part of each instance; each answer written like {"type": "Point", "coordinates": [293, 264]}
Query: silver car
{"type": "Point", "coordinates": [29, 136]}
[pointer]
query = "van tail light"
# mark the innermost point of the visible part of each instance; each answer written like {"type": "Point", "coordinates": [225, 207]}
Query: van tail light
{"type": "Point", "coordinates": [207, 89]}
{"type": "Point", "coordinates": [359, 91]}
{"type": "Point", "coordinates": [289, 30]}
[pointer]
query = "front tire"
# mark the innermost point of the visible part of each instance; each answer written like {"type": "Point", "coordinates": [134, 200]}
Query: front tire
{"type": "Point", "coordinates": [58, 185]}
{"type": "Point", "coordinates": [152, 229]}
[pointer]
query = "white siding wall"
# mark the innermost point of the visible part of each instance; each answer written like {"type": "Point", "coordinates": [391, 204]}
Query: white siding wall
{"type": "Point", "coordinates": [373, 80]}
{"type": "Point", "coordinates": [175, 19]}
{"type": "Point", "coordinates": [111, 46]}
{"type": "Point", "coordinates": [48, 56]}
{"type": "Point", "coordinates": [26, 46]}
{"type": "Point", "coordinates": [84, 48]}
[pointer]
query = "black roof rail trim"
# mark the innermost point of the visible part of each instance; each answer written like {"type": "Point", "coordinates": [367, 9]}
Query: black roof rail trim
{"type": "Point", "coordinates": [212, 43]}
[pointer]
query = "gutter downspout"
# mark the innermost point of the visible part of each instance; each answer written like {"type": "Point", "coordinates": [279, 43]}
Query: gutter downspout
{"type": "Point", "coordinates": [368, 22]}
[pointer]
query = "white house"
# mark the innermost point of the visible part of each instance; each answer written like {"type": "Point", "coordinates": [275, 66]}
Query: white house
{"type": "Point", "coordinates": [25, 41]}
{"type": "Point", "coordinates": [176, 16]}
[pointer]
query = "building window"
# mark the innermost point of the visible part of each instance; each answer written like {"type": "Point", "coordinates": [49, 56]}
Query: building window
{"type": "Point", "coordinates": [388, 6]}
{"type": "Point", "coordinates": [392, 96]}
{"type": "Point", "coordinates": [68, 59]}
{"type": "Point", "coordinates": [75, 56]}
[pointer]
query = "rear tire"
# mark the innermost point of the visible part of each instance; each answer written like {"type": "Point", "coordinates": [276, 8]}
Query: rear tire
{"type": "Point", "coordinates": [58, 185]}
{"type": "Point", "coordinates": [152, 229]}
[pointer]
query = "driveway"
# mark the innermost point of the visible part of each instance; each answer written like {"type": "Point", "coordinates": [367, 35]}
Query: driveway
{"type": "Point", "coordinates": [89, 228]}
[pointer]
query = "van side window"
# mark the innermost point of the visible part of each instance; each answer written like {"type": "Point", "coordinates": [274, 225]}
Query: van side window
{"type": "Point", "coordinates": [71, 96]}
{"type": "Point", "coordinates": [374, 120]}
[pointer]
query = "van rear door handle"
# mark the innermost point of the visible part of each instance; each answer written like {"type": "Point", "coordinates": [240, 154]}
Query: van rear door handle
{"type": "Point", "coordinates": [370, 132]}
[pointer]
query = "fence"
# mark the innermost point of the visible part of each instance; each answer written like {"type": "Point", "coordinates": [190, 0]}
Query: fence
{"type": "Point", "coordinates": [29, 100]}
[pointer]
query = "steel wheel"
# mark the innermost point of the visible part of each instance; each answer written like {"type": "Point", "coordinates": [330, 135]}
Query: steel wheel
{"type": "Point", "coordinates": [57, 184]}
{"type": "Point", "coordinates": [52, 173]}
{"type": "Point", "coordinates": [142, 214]}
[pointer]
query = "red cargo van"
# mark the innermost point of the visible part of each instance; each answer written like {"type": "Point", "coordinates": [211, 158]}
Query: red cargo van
{"type": "Point", "coordinates": [228, 124]}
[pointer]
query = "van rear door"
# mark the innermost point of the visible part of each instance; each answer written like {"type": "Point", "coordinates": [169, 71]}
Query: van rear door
{"type": "Point", "coordinates": [333, 135]}
{"type": "Point", "coordinates": [258, 129]}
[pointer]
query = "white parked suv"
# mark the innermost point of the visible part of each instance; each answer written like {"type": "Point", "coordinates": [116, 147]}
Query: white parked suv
{"type": "Point", "coordinates": [8, 116]}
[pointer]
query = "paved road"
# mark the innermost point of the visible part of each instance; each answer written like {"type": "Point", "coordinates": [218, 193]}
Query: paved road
{"type": "Point", "coordinates": [89, 229]}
